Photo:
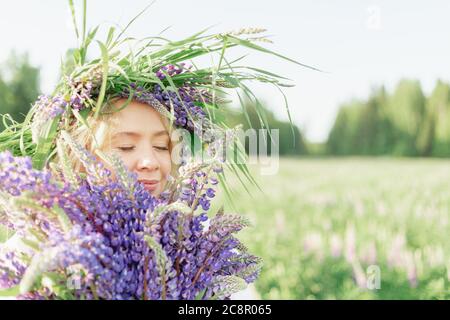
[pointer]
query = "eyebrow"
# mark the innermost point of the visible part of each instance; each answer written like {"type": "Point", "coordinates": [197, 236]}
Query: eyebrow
{"type": "Point", "coordinates": [137, 134]}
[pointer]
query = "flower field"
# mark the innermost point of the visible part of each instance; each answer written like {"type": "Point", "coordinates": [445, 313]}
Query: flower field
{"type": "Point", "coordinates": [351, 228]}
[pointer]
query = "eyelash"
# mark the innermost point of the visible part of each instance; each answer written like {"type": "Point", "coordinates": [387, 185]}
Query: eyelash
{"type": "Point", "coordinates": [125, 149]}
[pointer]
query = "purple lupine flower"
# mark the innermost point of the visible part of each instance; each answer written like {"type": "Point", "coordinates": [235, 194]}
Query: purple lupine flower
{"type": "Point", "coordinates": [125, 244]}
{"type": "Point", "coordinates": [81, 92]}
{"type": "Point", "coordinates": [185, 111]}
{"type": "Point", "coordinates": [172, 70]}
{"type": "Point", "coordinates": [46, 109]}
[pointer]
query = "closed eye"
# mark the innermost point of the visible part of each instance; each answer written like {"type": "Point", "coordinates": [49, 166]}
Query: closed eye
{"type": "Point", "coordinates": [162, 148]}
{"type": "Point", "coordinates": [130, 148]}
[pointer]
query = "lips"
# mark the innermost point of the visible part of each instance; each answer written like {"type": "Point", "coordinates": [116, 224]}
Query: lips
{"type": "Point", "coordinates": [150, 185]}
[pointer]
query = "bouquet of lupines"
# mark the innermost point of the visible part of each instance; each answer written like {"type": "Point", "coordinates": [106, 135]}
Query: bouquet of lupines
{"type": "Point", "coordinates": [104, 236]}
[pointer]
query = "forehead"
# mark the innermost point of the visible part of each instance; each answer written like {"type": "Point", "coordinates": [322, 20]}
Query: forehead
{"type": "Point", "coordinates": [137, 118]}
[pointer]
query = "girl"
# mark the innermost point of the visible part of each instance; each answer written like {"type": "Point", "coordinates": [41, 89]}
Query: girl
{"type": "Point", "coordinates": [129, 245]}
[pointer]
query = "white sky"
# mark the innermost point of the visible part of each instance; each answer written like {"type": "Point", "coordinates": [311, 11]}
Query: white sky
{"type": "Point", "coordinates": [359, 43]}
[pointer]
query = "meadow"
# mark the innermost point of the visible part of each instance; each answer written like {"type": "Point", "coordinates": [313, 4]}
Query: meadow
{"type": "Point", "coordinates": [351, 228]}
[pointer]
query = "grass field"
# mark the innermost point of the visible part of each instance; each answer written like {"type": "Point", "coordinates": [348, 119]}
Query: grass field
{"type": "Point", "coordinates": [323, 222]}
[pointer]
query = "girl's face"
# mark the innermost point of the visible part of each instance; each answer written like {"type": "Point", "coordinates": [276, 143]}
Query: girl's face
{"type": "Point", "coordinates": [142, 141]}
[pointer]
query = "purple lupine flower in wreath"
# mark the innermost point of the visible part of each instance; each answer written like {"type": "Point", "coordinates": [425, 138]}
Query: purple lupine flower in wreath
{"type": "Point", "coordinates": [186, 113]}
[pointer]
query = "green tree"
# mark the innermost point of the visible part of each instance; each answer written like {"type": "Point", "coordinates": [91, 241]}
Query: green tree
{"type": "Point", "coordinates": [403, 123]}
{"type": "Point", "coordinates": [438, 106]}
{"type": "Point", "coordinates": [407, 112]}
{"type": "Point", "coordinates": [344, 135]}
{"type": "Point", "coordinates": [290, 142]}
{"type": "Point", "coordinates": [19, 86]}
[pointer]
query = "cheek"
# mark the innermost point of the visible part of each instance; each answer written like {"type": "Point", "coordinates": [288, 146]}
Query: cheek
{"type": "Point", "coordinates": [165, 163]}
{"type": "Point", "coordinates": [129, 160]}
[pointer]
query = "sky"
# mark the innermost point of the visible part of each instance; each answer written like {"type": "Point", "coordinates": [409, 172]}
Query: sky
{"type": "Point", "coordinates": [358, 44]}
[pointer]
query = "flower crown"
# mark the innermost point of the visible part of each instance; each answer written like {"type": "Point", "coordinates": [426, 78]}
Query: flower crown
{"type": "Point", "coordinates": [159, 72]}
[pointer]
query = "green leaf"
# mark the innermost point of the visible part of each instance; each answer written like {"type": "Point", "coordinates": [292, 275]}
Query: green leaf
{"type": "Point", "coordinates": [45, 144]}
{"type": "Point", "coordinates": [110, 36]}
{"type": "Point", "coordinates": [200, 295]}
{"type": "Point", "coordinates": [63, 219]}
{"type": "Point", "coordinates": [132, 20]}
{"type": "Point", "coordinates": [32, 244]}
{"type": "Point", "coordinates": [289, 114]}
{"type": "Point", "coordinates": [74, 20]}
{"type": "Point", "coordinates": [173, 45]}
{"type": "Point", "coordinates": [230, 284]}
{"type": "Point", "coordinates": [105, 67]}
{"type": "Point", "coordinates": [265, 72]}
{"type": "Point", "coordinates": [90, 37]}
{"type": "Point", "coordinates": [10, 292]}
{"type": "Point", "coordinates": [5, 233]}
{"type": "Point", "coordinates": [253, 46]}
{"type": "Point", "coordinates": [66, 165]}
{"type": "Point", "coordinates": [226, 188]}
{"type": "Point", "coordinates": [84, 19]}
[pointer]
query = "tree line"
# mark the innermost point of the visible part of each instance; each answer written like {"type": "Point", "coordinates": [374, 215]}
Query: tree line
{"type": "Point", "coordinates": [402, 123]}
{"type": "Point", "coordinates": [19, 86]}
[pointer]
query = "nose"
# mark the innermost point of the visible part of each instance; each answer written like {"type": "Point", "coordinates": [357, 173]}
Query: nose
{"type": "Point", "coordinates": [148, 163]}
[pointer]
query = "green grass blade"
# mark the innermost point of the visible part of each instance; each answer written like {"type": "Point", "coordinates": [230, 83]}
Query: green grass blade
{"type": "Point", "coordinates": [74, 19]}
{"type": "Point", "coordinates": [253, 46]}
{"type": "Point", "coordinates": [45, 144]}
{"type": "Point", "coordinates": [105, 67]}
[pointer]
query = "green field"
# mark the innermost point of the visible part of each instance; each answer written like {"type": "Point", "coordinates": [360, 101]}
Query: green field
{"type": "Point", "coordinates": [323, 222]}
